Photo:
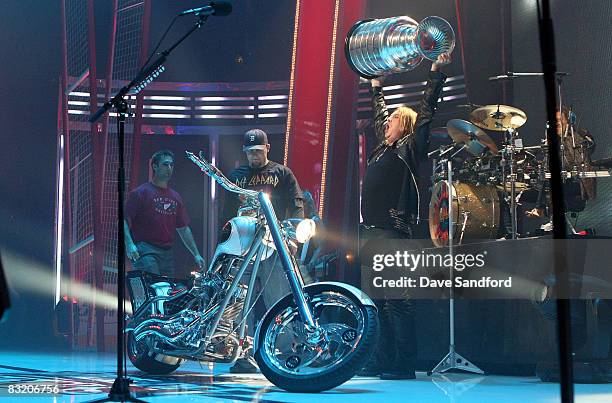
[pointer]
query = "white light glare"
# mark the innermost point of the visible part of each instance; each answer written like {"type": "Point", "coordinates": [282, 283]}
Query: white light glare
{"type": "Point", "coordinates": [305, 230]}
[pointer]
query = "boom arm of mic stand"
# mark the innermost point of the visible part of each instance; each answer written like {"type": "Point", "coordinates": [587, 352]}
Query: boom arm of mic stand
{"type": "Point", "coordinates": [145, 75]}
{"type": "Point", "coordinates": [510, 75]}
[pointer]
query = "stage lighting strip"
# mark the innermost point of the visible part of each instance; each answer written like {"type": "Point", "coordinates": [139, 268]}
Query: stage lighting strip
{"type": "Point", "coordinates": [328, 112]}
{"type": "Point", "coordinates": [272, 97]}
{"type": "Point", "coordinates": [292, 79]}
{"type": "Point", "coordinates": [457, 90]}
{"type": "Point", "coordinates": [165, 111]}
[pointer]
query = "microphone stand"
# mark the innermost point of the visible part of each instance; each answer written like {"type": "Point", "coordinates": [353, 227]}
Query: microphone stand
{"type": "Point", "coordinates": [120, 391]}
{"type": "Point", "coordinates": [452, 360]}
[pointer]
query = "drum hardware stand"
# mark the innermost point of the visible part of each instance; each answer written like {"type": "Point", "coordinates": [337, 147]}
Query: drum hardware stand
{"type": "Point", "coordinates": [439, 164]}
{"type": "Point", "coordinates": [453, 388]}
{"type": "Point", "coordinates": [434, 170]}
{"type": "Point", "coordinates": [569, 224]}
{"type": "Point", "coordinates": [466, 215]}
{"type": "Point", "coordinates": [510, 148]}
{"type": "Point", "coordinates": [562, 150]}
{"type": "Point", "coordinates": [452, 360]}
{"type": "Point", "coordinates": [549, 225]}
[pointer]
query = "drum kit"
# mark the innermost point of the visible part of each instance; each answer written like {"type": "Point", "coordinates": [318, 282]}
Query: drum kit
{"type": "Point", "coordinates": [491, 188]}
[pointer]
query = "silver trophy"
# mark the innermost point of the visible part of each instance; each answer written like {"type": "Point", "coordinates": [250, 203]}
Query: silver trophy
{"type": "Point", "coordinates": [393, 45]}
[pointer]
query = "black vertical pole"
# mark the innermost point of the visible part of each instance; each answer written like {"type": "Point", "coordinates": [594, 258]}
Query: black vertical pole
{"type": "Point", "coordinates": [121, 115]}
{"type": "Point", "coordinates": [120, 391]}
{"type": "Point", "coordinates": [547, 49]}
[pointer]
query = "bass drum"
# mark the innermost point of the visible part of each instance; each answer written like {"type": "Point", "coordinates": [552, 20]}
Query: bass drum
{"type": "Point", "coordinates": [476, 212]}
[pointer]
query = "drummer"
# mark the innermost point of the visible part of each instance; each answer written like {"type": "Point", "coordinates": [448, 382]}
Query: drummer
{"type": "Point", "coordinates": [578, 147]}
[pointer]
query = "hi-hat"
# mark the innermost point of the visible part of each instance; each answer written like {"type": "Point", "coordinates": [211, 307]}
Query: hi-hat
{"type": "Point", "coordinates": [498, 117]}
{"type": "Point", "coordinates": [476, 140]}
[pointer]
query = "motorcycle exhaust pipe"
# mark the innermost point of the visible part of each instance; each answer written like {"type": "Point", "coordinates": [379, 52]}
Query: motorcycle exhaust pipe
{"type": "Point", "coordinates": [140, 332]}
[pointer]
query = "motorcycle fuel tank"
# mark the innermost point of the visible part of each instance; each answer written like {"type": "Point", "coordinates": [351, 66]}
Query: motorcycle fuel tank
{"type": "Point", "coordinates": [240, 238]}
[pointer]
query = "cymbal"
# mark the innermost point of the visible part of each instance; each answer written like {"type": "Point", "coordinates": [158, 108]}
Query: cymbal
{"type": "Point", "coordinates": [476, 140]}
{"type": "Point", "coordinates": [498, 117]}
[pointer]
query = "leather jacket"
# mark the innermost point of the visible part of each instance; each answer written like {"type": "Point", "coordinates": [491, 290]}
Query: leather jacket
{"type": "Point", "coordinates": [411, 149]}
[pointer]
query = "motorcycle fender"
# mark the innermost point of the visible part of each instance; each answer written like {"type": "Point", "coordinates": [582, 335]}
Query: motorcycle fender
{"type": "Point", "coordinates": [356, 292]}
{"type": "Point", "coordinates": [360, 295]}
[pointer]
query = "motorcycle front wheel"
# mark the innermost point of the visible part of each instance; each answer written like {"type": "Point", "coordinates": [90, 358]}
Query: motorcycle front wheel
{"type": "Point", "coordinates": [289, 357]}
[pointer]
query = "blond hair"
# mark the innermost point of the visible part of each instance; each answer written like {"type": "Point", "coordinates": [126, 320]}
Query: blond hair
{"type": "Point", "coordinates": [407, 117]}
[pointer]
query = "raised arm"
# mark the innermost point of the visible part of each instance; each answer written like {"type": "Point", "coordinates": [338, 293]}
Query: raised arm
{"type": "Point", "coordinates": [427, 106]}
{"type": "Point", "coordinates": [381, 114]}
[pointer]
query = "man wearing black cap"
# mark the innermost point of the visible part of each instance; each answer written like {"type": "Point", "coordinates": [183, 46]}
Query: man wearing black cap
{"type": "Point", "coordinates": [280, 184]}
{"type": "Point", "coordinates": [261, 174]}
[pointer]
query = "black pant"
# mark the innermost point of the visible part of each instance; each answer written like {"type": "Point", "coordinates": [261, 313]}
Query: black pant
{"type": "Point", "coordinates": [397, 346]}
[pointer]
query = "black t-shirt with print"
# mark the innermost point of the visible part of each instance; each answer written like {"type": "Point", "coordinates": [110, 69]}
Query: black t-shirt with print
{"type": "Point", "coordinates": [274, 179]}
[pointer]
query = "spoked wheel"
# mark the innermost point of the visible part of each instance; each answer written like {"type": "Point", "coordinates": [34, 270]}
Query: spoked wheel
{"type": "Point", "coordinates": [299, 361]}
{"type": "Point", "coordinates": [147, 361]}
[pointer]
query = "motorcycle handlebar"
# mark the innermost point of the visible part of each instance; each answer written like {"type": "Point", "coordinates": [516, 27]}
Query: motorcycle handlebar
{"type": "Point", "coordinates": [216, 174]}
{"type": "Point", "coordinates": [251, 195]}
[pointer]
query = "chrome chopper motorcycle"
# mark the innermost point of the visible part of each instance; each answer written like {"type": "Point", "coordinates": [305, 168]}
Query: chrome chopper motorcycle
{"type": "Point", "coordinates": [313, 339]}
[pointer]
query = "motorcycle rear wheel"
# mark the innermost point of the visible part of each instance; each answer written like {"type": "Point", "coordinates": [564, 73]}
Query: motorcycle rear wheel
{"type": "Point", "coordinates": [289, 362]}
{"type": "Point", "coordinates": [147, 361]}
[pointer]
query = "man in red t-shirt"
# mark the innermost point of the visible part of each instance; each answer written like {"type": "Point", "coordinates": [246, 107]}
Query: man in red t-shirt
{"type": "Point", "coordinates": [153, 211]}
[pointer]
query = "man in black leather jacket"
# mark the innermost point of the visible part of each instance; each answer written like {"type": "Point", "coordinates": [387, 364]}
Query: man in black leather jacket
{"type": "Point", "coordinates": [390, 209]}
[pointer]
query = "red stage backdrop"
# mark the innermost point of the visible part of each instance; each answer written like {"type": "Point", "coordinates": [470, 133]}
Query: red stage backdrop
{"type": "Point", "coordinates": [322, 95]}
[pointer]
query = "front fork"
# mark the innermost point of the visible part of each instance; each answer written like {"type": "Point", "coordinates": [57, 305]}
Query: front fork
{"type": "Point", "coordinates": [295, 279]}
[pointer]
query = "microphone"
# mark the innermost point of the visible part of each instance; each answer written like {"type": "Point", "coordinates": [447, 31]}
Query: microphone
{"type": "Point", "coordinates": [216, 8]}
{"type": "Point", "coordinates": [502, 77]}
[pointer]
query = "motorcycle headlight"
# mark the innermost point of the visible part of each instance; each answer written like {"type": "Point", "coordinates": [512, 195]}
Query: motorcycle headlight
{"type": "Point", "coordinates": [305, 230]}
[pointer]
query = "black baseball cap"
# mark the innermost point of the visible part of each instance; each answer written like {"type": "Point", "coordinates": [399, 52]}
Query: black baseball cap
{"type": "Point", "coordinates": [255, 139]}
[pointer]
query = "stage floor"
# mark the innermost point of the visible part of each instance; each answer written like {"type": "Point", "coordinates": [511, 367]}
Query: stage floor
{"type": "Point", "coordinates": [87, 376]}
